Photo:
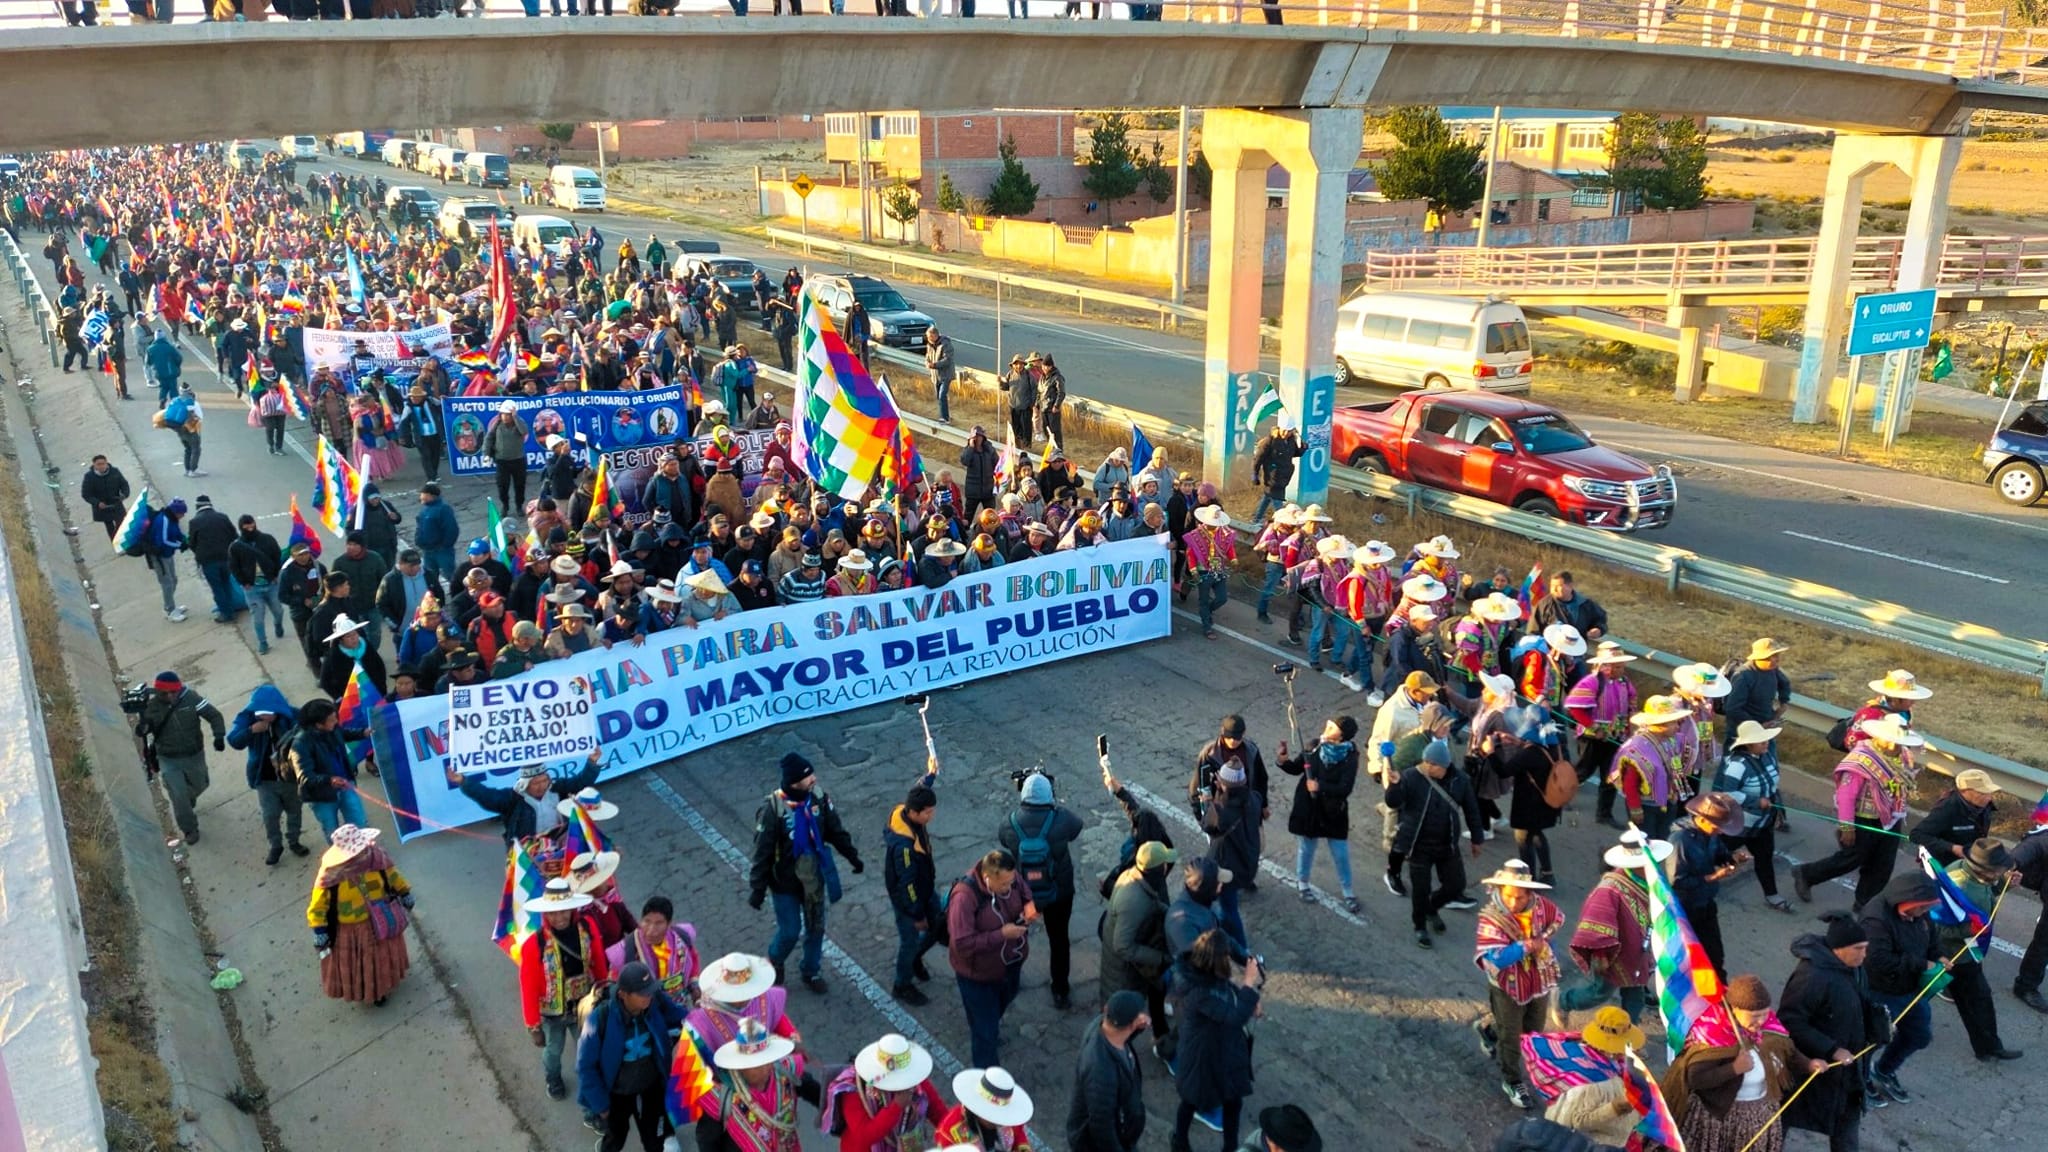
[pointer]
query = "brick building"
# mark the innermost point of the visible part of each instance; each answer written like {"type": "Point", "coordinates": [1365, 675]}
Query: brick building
{"type": "Point", "coordinates": [643, 139]}
{"type": "Point", "coordinates": [918, 148]}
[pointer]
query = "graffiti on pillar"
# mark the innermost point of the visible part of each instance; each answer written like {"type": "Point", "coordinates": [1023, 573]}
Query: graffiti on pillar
{"type": "Point", "coordinates": [1319, 399]}
{"type": "Point", "coordinates": [1245, 390]}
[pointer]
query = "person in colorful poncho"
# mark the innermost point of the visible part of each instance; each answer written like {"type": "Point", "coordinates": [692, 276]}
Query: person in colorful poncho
{"type": "Point", "coordinates": [1513, 950]}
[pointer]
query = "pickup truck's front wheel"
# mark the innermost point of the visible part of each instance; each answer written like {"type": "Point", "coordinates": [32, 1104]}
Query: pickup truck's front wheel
{"type": "Point", "coordinates": [1368, 461]}
{"type": "Point", "coordinates": [1540, 506]}
{"type": "Point", "coordinates": [2018, 483]}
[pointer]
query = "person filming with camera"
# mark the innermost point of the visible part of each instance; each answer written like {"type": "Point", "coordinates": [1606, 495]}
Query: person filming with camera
{"type": "Point", "coordinates": [1230, 811]}
{"type": "Point", "coordinates": [1040, 834]}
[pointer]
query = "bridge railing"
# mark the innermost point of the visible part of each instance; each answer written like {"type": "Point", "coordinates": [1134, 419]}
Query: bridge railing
{"type": "Point", "coordinates": [1979, 263]}
{"type": "Point", "coordinates": [1925, 35]}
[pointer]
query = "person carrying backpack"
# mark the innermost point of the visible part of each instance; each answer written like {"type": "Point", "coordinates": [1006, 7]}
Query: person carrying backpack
{"type": "Point", "coordinates": [1040, 834]}
{"type": "Point", "coordinates": [263, 729]}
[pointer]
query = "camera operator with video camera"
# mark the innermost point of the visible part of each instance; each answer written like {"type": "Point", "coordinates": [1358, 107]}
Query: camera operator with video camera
{"type": "Point", "coordinates": [1230, 812]}
{"type": "Point", "coordinates": [1040, 834]}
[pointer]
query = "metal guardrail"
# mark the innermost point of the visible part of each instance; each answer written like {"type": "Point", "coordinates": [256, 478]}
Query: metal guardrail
{"type": "Point", "coordinates": [32, 290]}
{"type": "Point", "coordinates": [1678, 567]}
{"type": "Point", "coordinates": [1805, 712]}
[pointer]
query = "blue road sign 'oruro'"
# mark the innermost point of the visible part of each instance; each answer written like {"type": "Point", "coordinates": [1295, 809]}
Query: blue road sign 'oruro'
{"type": "Point", "coordinates": [1891, 322]}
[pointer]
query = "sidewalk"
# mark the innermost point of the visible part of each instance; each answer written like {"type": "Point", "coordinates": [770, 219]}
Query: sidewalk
{"type": "Point", "coordinates": [332, 1074]}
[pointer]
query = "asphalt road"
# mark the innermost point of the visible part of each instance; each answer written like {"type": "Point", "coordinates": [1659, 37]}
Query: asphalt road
{"type": "Point", "coordinates": [1939, 547]}
{"type": "Point", "coordinates": [1361, 1027]}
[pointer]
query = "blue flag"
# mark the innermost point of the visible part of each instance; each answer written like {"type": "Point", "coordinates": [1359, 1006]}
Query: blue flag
{"type": "Point", "coordinates": [1141, 451]}
{"type": "Point", "coordinates": [355, 278]}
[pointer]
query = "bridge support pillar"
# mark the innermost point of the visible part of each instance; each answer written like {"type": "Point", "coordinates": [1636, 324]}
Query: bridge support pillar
{"type": "Point", "coordinates": [1237, 252]}
{"type": "Point", "coordinates": [1692, 323]}
{"type": "Point", "coordinates": [1928, 162]}
{"type": "Point", "coordinates": [1318, 148]}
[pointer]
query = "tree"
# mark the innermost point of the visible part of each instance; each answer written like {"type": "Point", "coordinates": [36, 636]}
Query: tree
{"type": "Point", "coordinates": [1656, 164]}
{"type": "Point", "coordinates": [950, 199]}
{"type": "Point", "coordinates": [1014, 192]}
{"type": "Point", "coordinates": [559, 133]}
{"type": "Point", "coordinates": [1159, 178]}
{"type": "Point", "coordinates": [1428, 162]}
{"type": "Point", "coordinates": [1113, 171]}
{"type": "Point", "coordinates": [1201, 177]}
{"type": "Point", "coordinates": [899, 201]}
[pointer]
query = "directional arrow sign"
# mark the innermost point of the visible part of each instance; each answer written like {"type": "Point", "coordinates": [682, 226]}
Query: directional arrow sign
{"type": "Point", "coordinates": [1891, 322]}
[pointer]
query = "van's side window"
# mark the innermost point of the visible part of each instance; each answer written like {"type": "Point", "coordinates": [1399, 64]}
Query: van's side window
{"type": "Point", "coordinates": [1424, 333]}
{"type": "Point", "coordinates": [1454, 336]}
{"type": "Point", "coordinates": [1380, 326]}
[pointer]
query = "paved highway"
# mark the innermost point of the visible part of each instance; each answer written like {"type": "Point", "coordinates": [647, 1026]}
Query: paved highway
{"type": "Point", "coordinates": [1940, 547]}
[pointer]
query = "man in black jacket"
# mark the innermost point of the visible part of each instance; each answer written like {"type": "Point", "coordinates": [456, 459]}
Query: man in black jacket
{"type": "Point", "coordinates": [209, 534]}
{"type": "Point", "coordinates": [1759, 690]}
{"type": "Point", "coordinates": [795, 833]}
{"type": "Point", "coordinates": [1829, 1012]}
{"type": "Point", "coordinates": [2030, 860]}
{"type": "Point", "coordinates": [1958, 819]}
{"type": "Point", "coordinates": [1230, 744]}
{"type": "Point", "coordinates": [1431, 801]}
{"type": "Point", "coordinates": [105, 491]}
{"type": "Point", "coordinates": [1564, 605]}
{"type": "Point", "coordinates": [1904, 956]}
{"type": "Point", "coordinates": [1321, 813]}
{"type": "Point", "coordinates": [911, 878]}
{"type": "Point", "coordinates": [1273, 467]}
{"type": "Point", "coordinates": [1051, 879]}
{"type": "Point", "coordinates": [301, 581]}
{"type": "Point", "coordinates": [978, 472]}
{"type": "Point", "coordinates": [255, 561]}
{"type": "Point", "coordinates": [1106, 1112]}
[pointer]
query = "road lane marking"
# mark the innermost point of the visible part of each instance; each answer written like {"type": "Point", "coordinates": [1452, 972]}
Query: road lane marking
{"type": "Point", "coordinates": [1896, 556]}
{"type": "Point", "coordinates": [1856, 492]}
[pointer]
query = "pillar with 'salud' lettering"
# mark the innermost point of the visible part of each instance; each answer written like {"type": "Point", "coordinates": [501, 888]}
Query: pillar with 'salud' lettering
{"type": "Point", "coordinates": [1237, 241]}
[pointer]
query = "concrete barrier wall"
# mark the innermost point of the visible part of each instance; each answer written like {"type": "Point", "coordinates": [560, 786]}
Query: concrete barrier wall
{"type": "Point", "coordinates": [49, 1062]}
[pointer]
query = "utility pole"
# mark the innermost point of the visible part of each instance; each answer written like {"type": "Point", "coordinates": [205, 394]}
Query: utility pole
{"type": "Point", "coordinates": [1180, 211]}
{"type": "Point", "coordinates": [599, 130]}
{"type": "Point", "coordinates": [866, 236]}
{"type": "Point", "coordinates": [1486, 198]}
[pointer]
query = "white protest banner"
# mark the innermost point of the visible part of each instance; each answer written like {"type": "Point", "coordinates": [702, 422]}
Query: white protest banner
{"type": "Point", "coordinates": [498, 726]}
{"type": "Point", "coordinates": [686, 689]}
{"type": "Point", "coordinates": [333, 348]}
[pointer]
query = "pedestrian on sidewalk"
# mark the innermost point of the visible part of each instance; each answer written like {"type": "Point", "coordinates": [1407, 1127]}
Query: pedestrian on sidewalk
{"type": "Point", "coordinates": [210, 536]}
{"type": "Point", "coordinates": [796, 832]}
{"type": "Point", "coordinates": [106, 492]}
{"type": "Point", "coordinates": [622, 1059]}
{"type": "Point", "coordinates": [1052, 399]}
{"type": "Point", "coordinates": [558, 969]}
{"type": "Point", "coordinates": [359, 911]}
{"type": "Point", "coordinates": [938, 362]}
{"type": "Point", "coordinates": [171, 721]}
{"type": "Point", "coordinates": [263, 729]}
{"type": "Point", "coordinates": [164, 362]}
{"type": "Point", "coordinates": [183, 416]}
{"type": "Point", "coordinates": [318, 760]}
{"type": "Point", "coordinates": [1513, 950]}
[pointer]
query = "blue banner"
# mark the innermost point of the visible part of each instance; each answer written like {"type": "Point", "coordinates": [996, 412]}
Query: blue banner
{"type": "Point", "coordinates": [605, 421]}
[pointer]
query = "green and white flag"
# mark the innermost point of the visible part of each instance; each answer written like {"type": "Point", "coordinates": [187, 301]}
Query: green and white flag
{"type": "Point", "coordinates": [1265, 407]}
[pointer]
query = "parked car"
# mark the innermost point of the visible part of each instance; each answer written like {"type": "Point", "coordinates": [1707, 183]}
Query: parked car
{"type": "Point", "coordinates": [486, 170]}
{"type": "Point", "coordinates": [399, 152]}
{"type": "Point", "coordinates": [549, 233]}
{"type": "Point", "coordinates": [2018, 456]}
{"type": "Point", "coordinates": [245, 156]}
{"type": "Point", "coordinates": [735, 274]}
{"type": "Point", "coordinates": [1508, 450]}
{"type": "Point", "coordinates": [479, 213]}
{"type": "Point", "coordinates": [299, 147]}
{"type": "Point", "coordinates": [423, 202]}
{"type": "Point", "coordinates": [1416, 340]}
{"type": "Point", "coordinates": [891, 319]}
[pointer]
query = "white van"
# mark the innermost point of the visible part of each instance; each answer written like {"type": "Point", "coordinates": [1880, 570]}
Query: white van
{"type": "Point", "coordinates": [551, 233]}
{"type": "Point", "coordinates": [398, 152]}
{"type": "Point", "coordinates": [1415, 340]}
{"type": "Point", "coordinates": [299, 147]}
{"type": "Point", "coordinates": [576, 189]}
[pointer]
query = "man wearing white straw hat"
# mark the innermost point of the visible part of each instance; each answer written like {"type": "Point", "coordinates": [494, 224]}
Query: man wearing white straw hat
{"type": "Point", "coordinates": [1279, 544]}
{"type": "Point", "coordinates": [1750, 773]}
{"type": "Point", "coordinates": [1647, 764]}
{"type": "Point", "coordinates": [1478, 641]}
{"type": "Point", "coordinates": [884, 1099]}
{"type": "Point", "coordinates": [1897, 691]}
{"type": "Point", "coordinates": [1600, 704]}
{"type": "Point", "coordinates": [1317, 581]}
{"type": "Point", "coordinates": [1612, 939]}
{"type": "Point", "coordinates": [1699, 687]}
{"type": "Point", "coordinates": [1759, 690]}
{"type": "Point", "coordinates": [562, 963]}
{"type": "Point", "coordinates": [1513, 951]}
{"type": "Point", "coordinates": [752, 1108]}
{"type": "Point", "coordinates": [1872, 784]}
{"type": "Point", "coordinates": [1212, 550]}
{"type": "Point", "coordinates": [991, 1114]}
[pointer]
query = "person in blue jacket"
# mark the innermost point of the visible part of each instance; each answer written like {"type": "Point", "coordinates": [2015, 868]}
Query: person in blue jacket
{"type": "Point", "coordinates": [622, 1059]}
{"type": "Point", "coordinates": [258, 729]}
{"type": "Point", "coordinates": [162, 541]}
{"type": "Point", "coordinates": [164, 362]}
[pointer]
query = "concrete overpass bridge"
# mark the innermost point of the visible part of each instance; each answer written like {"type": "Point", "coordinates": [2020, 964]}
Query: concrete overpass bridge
{"type": "Point", "coordinates": [1894, 78]}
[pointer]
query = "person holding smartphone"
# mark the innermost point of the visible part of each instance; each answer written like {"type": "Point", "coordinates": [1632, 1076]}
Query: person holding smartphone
{"type": "Point", "coordinates": [988, 924]}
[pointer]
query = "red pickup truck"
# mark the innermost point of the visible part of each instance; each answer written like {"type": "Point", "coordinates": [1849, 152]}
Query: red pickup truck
{"type": "Point", "coordinates": [1508, 450]}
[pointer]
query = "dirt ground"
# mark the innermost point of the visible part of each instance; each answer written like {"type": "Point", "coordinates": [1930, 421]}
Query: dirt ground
{"type": "Point", "coordinates": [1996, 188]}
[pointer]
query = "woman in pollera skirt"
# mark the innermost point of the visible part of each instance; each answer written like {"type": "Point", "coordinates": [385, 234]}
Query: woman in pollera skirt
{"type": "Point", "coordinates": [358, 913]}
